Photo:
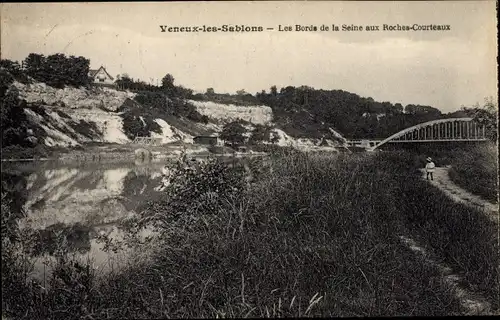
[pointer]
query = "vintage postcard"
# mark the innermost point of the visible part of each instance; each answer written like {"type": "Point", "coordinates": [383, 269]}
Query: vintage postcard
{"type": "Point", "coordinates": [249, 159]}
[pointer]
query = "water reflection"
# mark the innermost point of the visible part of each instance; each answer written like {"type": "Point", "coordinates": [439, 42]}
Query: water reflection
{"type": "Point", "coordinates": [75, 203]}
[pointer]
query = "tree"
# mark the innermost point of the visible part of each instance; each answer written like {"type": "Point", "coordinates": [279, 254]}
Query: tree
{"type": "Point", "coordinates": [183, 93]}
{"type": "Point", "coordinates": [274, 91]}
{"type": "Point", "coordinates": [260, 133]}
{"type": "Point", "coordinates": [167, 84]}
{"type": "Point", "coordinates": [5, 81]}
{"type": "Point", "coordinates": [398, 108]}
{"type": "Point", "coordinates": [241, 92]}
{"type": "Point", "coordinates": [486, 115]}
{"type": "Point", "coordinates": [167, 81]}
{"type": "Point", "coordinates": [210, 92]}
{"type": "Point", "coordinates": [33, 64]}
{"type": "Point", "coordinates": [11, 66]}
{"type": "Point", "coordinates": [124, 82]}
{"type": "Point", "coordinates": [233, 133]}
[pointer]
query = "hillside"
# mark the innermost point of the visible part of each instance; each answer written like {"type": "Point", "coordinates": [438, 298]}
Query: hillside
{"type": "Point", "coordinates": [71, 112]}
{"type": "Point", "coordinates": [74, 117]}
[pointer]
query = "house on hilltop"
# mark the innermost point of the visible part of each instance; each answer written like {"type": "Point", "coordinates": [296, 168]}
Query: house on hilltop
{"type": "Point", "coordinates": [101, 77]}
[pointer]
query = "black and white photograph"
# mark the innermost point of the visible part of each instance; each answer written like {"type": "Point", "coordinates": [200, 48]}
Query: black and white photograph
{"type": "Point", "coordinates": [249, 159]}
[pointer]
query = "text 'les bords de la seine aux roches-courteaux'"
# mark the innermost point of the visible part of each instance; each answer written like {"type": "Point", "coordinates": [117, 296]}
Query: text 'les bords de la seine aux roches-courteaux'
{"type": "Point", "coordinates": [305, 28]}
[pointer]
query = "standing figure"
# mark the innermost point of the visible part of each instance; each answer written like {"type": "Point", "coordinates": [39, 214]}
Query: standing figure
{"type": "Point", "coordinates": [429, 168]}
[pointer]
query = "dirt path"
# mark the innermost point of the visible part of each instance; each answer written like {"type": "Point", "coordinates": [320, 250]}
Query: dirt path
{"type": "Point", "coordinates": [443, 182]}
{"type": "Point", "coordinates": [473, 304]}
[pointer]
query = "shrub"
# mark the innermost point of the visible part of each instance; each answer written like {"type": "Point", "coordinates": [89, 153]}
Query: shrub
{"type": "Point", "coordinates": [206, 183]}
{"type": "Point", "coordinates": [133, 126]}
{"type": "Point", "coordinates": [233, 133]}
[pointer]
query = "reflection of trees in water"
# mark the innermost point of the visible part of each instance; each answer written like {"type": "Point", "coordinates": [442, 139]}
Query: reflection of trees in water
{"type": "Point", "coordinates": [14, 188]}
{"type": "Point", "coordinates": [138, 187]}
{"type": "Point", "coordinates": [89, 181]}
{"type": "Point", "coordinates": [68, 238]}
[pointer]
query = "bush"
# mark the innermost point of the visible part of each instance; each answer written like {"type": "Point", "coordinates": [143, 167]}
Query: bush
{"type": "Point", "coordinates": [206, 183]}
{"type": "Point", "coordinates": [133, 126]}
{"type": "Point", "coordinates": [86, 128]}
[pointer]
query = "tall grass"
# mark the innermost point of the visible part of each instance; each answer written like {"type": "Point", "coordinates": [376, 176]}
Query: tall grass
{"type": "Point", "coordinates": [309, 235]}
{"type": "Point", "coordinates": [477, 171]}
{"type": "Point", "coordinates": [465, 238]}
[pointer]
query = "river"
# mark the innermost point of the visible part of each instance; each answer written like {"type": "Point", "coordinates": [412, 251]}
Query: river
{"type": "Point", "coordinates": [80, 201]}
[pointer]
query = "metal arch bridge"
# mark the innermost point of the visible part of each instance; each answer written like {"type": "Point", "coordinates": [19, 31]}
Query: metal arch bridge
{"type": "Point", "coordinates": [442, 130]}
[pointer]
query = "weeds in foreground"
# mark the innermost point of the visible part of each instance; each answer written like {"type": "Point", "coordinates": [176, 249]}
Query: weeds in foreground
{"type": "Point", "coordinates": [307, 235]}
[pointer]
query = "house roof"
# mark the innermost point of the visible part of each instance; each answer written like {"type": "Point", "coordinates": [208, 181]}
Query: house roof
{"type": "Point", "coordinates": [93, 72]}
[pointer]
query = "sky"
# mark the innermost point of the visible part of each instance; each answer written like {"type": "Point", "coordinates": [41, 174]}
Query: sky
{"type": "Point", "coordinates": [443, 69]}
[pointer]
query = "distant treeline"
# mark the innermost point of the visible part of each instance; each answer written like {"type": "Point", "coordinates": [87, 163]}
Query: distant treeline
{"type": "Point", "coordinates": [311, 112]}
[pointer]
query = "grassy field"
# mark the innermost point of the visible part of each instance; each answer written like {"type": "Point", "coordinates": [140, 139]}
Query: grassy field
{"type": "Point", "coordinates": [310, 235]}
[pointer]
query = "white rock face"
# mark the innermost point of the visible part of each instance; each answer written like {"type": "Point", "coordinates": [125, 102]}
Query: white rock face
{"type": "Point", "coordinates": [302, 144]}
{"type": "Point", "coordinates": [74, 98]}
{"type": "Point", "coordinates": [231, 112]}
{"type": "Point", "coordinates": [170, 133]}
{"type": "Point", "coordinates": [57, 133]}
{"type": "Point", "coordinates": [99, 106]}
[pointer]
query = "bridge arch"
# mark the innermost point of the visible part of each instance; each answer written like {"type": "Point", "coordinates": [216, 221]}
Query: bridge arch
{"type": "Point", "coordinates": [450, 129]}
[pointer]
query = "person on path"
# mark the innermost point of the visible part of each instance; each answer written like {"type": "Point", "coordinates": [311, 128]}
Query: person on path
{"type": "Point", "coordinates": [429, 168]}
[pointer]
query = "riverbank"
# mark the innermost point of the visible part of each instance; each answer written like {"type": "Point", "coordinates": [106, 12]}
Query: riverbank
{"type": "Point", "coordinates": [108, 153]}
{"type": "Point", "coordinates": [310, 235]}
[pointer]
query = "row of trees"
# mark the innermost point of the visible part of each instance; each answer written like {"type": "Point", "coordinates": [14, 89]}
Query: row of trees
{"type": "Point", "coordinates": [58, 70]}
{"type": "Point", "coordinates": [167, 86]}
{"type": "Point", "coordinates": [240, 98]}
